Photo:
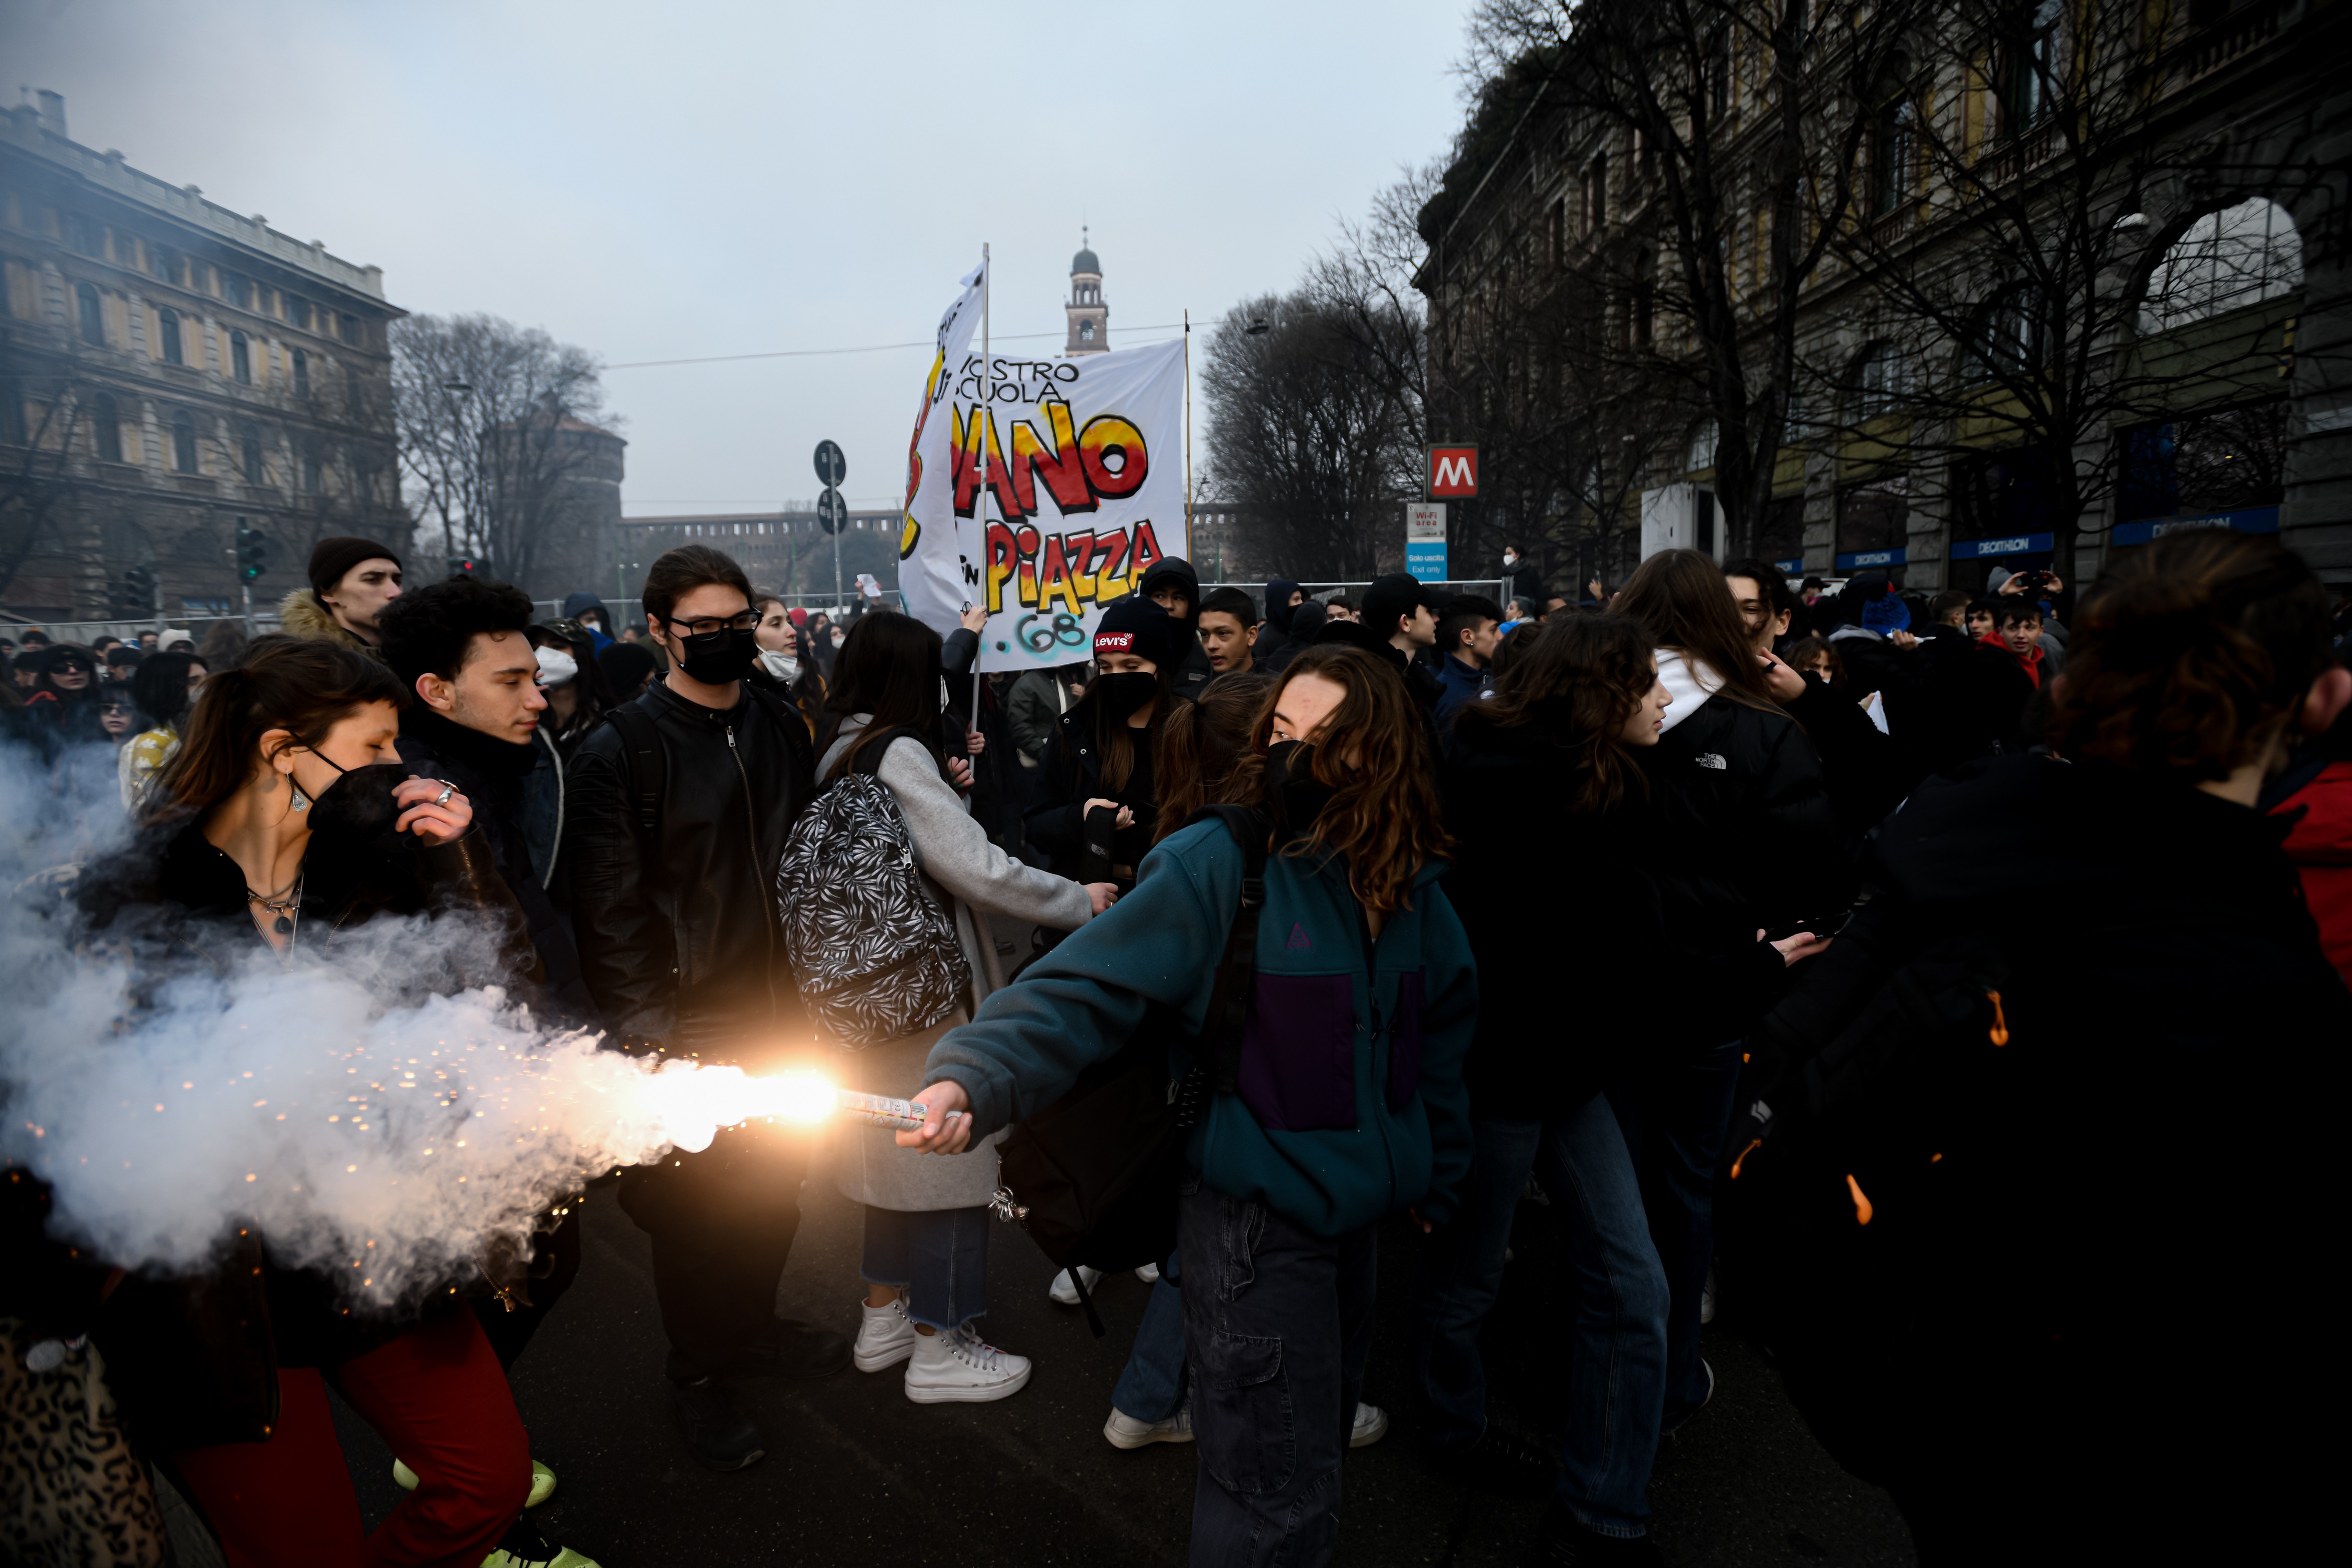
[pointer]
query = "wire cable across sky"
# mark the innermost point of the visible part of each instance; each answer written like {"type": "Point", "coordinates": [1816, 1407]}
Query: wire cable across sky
{"type": "Point", "coordinates": [883, 347]}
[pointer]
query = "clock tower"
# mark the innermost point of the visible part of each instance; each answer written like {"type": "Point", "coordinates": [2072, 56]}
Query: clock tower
{"type": "Point", "coordinates": [1089, 318]}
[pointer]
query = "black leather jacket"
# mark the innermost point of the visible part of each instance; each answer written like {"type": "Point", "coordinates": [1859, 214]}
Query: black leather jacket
{"type": "Point", "coordinates": [678, 932]}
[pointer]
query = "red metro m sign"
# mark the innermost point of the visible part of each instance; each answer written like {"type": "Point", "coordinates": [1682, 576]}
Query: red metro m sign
{"type": "Point", "coordinates": [1452, 473]}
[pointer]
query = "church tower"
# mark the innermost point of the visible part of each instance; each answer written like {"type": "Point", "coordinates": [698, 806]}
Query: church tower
{"type": "Point", "coordinates": [1089, 317]}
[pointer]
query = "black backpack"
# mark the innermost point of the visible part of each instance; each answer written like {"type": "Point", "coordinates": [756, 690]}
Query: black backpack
{"type": "Point", "coordinates": [1093, 1177]}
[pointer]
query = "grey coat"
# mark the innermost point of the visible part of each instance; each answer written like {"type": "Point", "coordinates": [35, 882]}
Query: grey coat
{"type": "Point", "coordinates": [973, 879]}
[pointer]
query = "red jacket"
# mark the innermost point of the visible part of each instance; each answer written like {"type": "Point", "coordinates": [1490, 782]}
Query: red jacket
{"type": "Point", "coordinates": [2320, 845]}
{"type": "Point", "coordinates": [2029, 661]}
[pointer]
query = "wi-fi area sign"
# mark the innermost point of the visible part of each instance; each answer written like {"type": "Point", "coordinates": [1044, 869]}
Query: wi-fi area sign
{"type": "Point", "coordinates": [1452, 473]}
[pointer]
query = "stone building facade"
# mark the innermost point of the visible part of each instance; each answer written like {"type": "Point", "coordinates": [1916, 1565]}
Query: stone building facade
{"type": "Point", "coordinates": [171, 371]}
{"type": "Point", "coordinates": [2241, 217]}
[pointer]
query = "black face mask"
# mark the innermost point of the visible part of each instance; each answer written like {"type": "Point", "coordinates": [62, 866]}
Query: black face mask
{"type": "Point", "coordinates": [359, 805]}
{"type": "Point", "coordinates": [1120, 695]}
{"type": "Point", "coordinates": [719, 657]}
{"type": "Point", "coordinates": [1290, 780]}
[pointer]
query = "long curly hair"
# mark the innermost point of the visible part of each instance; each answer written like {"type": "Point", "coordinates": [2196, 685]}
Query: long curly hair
{"type": "Point", "coordinates": [2189, 655]}
{"type": "Point", "coordinates": [1577, 684]}
{"type": "Point", "coordinates": [1383, 816]}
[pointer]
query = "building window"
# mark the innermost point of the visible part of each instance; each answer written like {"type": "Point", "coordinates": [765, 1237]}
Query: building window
{"type": "Point", "coordinates": [2240, 255]}
{"type": "Point", "coordinates": [1882, 382]}
{"type": "Point", "coordinates": [301, 374]}
{"type": "Point", "coordinates": [347, 327]}
{"type": "Point", "coordinates": [311, 470]}
{"type": "Point", "coordinates": [93, 322]}
{"type": "Point", "coordinates": [297, 311]}
{"type": "Point", "coordinates": [106, 426]}
{"type": "Point", "coordinates": [352, 398]}
{"type": "Point", "coordinates": [1891, 157]}
{"type": "Point", "coordinates": [250, 444]}
{"type": "Point", "coordinates": [237, 289]}
{"type": "Point", "coordinates": [84, 237]}
{"type": "Point", "coordinates": [165, 262]}
{"type": "Point", "coordinates": [2029, 56]}
{"type": "Point", "coordinates": [240, 358]}
{"type": "Point", "coordinates": [1645, 287]}
{"type": "Point", "coordinates": [167, 336]}
{"type": "Point", "coordinates": [1085, 331]}
{"type": "Point", "coordinates": [184, 442]}
{"type": "Point", "coordinates": [1596, 193]}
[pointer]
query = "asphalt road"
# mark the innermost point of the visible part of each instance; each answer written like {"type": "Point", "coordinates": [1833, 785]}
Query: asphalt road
{"type": "Point", "coordinates": [855, 1474]}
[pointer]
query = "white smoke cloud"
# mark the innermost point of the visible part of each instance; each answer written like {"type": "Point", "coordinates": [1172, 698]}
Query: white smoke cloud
{"type": "Point", "coordinates": [395, 1146]}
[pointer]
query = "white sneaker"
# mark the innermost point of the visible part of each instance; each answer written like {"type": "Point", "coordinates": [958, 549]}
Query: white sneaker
{"type": "Point", "coordinates": [1149, 1274]}
{"type": "Point", "coordinates": [1371, 1425]}
{"type": "Point", "coordinates": [1126, 1432]}
{"type": "Point", "coordinates": [961, 1369]}
{"type": "Point", "coordinates": [885, 1338]}
{"type": "Point", "coordinates": [1066, 1290]}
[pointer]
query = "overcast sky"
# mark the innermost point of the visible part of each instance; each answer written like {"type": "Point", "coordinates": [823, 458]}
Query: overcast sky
{"type": "Point", "coordinates": [659, 180]}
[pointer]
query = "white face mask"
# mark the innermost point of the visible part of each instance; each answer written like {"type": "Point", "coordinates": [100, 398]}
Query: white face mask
{"type": "Point", "coordinates": [782, 666]}
{"type": "Point", "coordinates": [1509, 558]}
{"type": "Point", "coordinates": [837, 636]}
{"type": "Point", "coordinates": [556, 667]}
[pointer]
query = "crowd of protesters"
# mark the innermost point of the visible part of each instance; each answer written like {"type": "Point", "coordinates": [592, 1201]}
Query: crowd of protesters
{"type": "Point", "coordinates": [1919, 972]}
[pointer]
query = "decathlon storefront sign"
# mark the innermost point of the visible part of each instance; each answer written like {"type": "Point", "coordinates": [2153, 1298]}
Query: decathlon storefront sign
{"type": "Point", "coordinates": [2246, 519]}
{"type": "Point", "coordinates": [1040, 489]}
{"type": "Point", "coordinates": [2010, 544]}
{"type": "Point", "coordinates": [1864, 559]}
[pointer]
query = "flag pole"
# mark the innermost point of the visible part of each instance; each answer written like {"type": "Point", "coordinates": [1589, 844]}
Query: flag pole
{"type": "Point", "coordinates": [1190, 548]}
{"type": "Point", "coordinates": [980, 507]}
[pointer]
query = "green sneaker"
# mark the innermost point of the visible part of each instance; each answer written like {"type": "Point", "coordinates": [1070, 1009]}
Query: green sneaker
{"type": "Point", "coordinates": [543, 1483]}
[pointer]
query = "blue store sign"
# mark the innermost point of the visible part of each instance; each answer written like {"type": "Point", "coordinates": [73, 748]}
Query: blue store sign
{"type": "Point", "coordinates": [1863, 560]}
{"type": "Point", "coordinates": [2247, 520]}
{"type": "Point", "coordinates": [2014, 544]}
{"type": "Point", "coordinates": [1792, 567]}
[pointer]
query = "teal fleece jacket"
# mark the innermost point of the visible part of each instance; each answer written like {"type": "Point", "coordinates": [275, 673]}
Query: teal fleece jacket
{"type": "Point", "coordinates": [1350, 1101]}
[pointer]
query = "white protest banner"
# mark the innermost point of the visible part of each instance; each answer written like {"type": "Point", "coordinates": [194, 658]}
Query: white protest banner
{"type": "Point", "coordinates": [1083, 491]}
{"type": "Point", "coordinates": [928, 549]}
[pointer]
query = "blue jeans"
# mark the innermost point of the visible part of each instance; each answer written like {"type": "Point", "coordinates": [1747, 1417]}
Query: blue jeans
{"type": "Point", "coordinates": [1152, 1386]}
{"type": "Point", "coordinates": [1674, 1122]}
{"type": "Point", "coordinates": [1278, 1324]}
{"type": "Point", "coordinates": [1618, 1351]}
{"type": "Point", "coordinates": [937, 1256]}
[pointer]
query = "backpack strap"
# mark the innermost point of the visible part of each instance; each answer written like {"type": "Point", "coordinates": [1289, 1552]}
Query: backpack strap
{"type": "Point", "coordinates": [872, 748]}
{"type": "Point", "coordinates": [1229, 1003]}
{"type": "Point", "coordinates": [644, 765]}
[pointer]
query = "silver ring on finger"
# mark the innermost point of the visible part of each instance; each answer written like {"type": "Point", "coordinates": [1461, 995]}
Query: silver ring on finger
{"type": "Point", "coordinates": [443, 798]}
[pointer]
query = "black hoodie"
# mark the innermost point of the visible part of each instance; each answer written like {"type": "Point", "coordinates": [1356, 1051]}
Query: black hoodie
{"type": "Point", "coordinates": [1192, 668]}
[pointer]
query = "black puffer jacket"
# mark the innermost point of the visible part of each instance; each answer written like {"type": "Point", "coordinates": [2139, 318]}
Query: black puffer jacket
{"type": "Point", "coordinates": [678, 932]}
{"type": "Point", "coordinates": [2170, 1065]}
{"type": "Point", "coordinates": [1507, 807]}
{"type": "Point", "coordinates": [1072, 775]}
{"type": "Point", "coordinates": [1745, 838]}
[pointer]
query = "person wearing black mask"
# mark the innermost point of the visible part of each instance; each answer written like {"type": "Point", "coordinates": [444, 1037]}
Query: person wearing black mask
{"type": "Point", "coordinates": [63, 704]}
{"type": "Point", "coordinates": [1303, 629]}
{"type": "Point", "coordinates": [1100, 757]}
{"type": "Point", "coordinates": [283, 825]}
{"type": "Point", "coordinates": [1175, 587]}
{"type": "Point", "coordinates": [677, 812]}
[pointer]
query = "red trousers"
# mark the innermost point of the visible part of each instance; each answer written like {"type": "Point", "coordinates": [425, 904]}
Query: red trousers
{"type": "Point", "coordinates": [439, 1398]}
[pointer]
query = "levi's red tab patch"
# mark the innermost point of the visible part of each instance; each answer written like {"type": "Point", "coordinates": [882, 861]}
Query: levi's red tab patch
{"type": "Point", "coordinates": [1114, 642]}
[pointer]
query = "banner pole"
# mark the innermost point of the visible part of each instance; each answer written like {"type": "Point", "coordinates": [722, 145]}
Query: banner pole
{"type": "Point", "coordinates": [1190, 548]}
{"type": "Point", "coordinates": [980, 506]}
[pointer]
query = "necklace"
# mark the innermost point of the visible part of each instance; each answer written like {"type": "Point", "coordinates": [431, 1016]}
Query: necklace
{"type": "Point", "coordinates": [285, 905]}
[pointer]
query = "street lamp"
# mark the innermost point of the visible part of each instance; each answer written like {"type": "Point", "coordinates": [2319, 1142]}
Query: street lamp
{"type": "Point", "coordinates": [1258, 326]}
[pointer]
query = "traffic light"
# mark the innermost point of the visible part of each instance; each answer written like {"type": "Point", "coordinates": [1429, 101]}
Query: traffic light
{"type": "Point", "coordinates": [137, 593]}
{"type": "Point", "coordinates": [250, 548]}
{"type": "Point", "coordinates": [467, 566]}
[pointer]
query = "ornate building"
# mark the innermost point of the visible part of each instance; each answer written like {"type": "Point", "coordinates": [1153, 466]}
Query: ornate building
{"type": "Point", "coordinates": [170, 372]}
{"type": "Point", "coordinates": [1089, 318]}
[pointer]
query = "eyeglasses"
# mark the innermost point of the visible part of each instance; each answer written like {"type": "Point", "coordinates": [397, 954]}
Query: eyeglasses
{"type": "Point", "coordinates": [115, 710]}
{"type": "Point", "coordinates": [747, 621]}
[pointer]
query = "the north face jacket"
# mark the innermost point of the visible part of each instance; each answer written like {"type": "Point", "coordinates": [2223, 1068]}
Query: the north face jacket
{"type": "Point", "coordinates": [1351, 1104]}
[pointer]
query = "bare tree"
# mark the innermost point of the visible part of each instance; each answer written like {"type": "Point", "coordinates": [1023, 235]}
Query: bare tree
{"type": "Point", "coordinates": [1736, 127]}
{"type": "Point", "coordinates": [488, 416]}
{"type": "Point", "coordinates": [38, 480]}
{"type": "Point", "coordinates": [1313, 421]}
{"type": "Point", "coordinates": [2007, 315]}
